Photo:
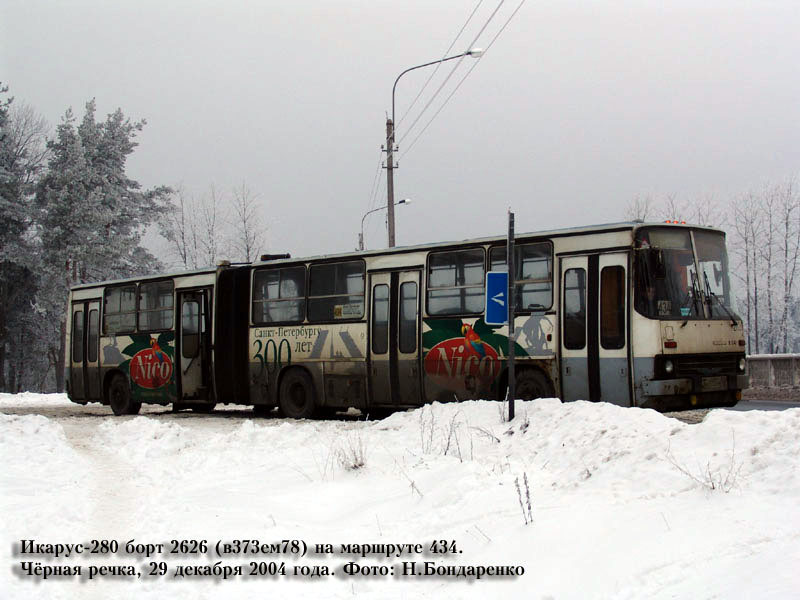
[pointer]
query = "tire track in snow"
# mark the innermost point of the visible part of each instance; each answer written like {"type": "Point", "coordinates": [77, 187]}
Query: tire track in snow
{"type": "Point", "coordinates": [109, 480]}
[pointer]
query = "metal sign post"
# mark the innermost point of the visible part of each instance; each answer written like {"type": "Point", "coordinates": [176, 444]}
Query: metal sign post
{"type": "Point", "coordinates": [510, 260]}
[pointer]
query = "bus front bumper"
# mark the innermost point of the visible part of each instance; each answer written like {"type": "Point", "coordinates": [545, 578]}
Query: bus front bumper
{"type": "Point", "coordinates": [694, 385]}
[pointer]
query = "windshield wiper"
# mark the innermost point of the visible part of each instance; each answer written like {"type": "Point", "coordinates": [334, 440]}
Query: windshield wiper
{"type": "Point", "coordinates": [695, 291]}
{"type": "Point", "coordinates": [710, 295]}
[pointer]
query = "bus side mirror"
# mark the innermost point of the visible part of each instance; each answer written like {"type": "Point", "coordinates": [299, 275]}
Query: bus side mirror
{"type": "Point", "coordinates": [717, 275]}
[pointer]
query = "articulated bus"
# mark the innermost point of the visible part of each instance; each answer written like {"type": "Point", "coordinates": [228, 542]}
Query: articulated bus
{"type": "Point", "coordinates": [636, 314]}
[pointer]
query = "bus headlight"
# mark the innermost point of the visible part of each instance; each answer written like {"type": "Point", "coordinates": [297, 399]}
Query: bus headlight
{"type": "Point", "coordinates": [742, 364]}
{"type": "Point", "coordinates": [668, 368]}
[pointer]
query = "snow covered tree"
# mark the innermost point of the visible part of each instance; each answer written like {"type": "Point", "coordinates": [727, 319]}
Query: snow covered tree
{"type": "Point", "coordinates": [22, 155]}
{"type": "Point", "coordinates": [92, 216]}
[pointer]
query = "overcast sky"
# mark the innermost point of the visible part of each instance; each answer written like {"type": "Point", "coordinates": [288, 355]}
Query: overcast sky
{"type": "Point", "coordinates": [578, 106]}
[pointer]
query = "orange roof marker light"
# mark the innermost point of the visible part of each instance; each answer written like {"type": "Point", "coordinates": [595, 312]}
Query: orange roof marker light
{"type": "Point", "coordinates": [675, 222]}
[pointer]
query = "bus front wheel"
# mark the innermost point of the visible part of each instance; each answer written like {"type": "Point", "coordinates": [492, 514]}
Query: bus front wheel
{"type": "Point", "coordinates": [298, 399]}
{"type": "Point", "coordinates": [119, 397]}
{"type": "Point", "coordinates": [532, 384]}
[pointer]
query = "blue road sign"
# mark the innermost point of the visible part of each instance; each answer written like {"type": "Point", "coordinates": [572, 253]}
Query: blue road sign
{"type": "Point", "coordinates": [496, 298]}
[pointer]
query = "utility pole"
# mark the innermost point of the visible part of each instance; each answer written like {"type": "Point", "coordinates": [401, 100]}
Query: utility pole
{"type": "Point", "coordinates": [512, 380]}
{"type": "Point", "coordinates": [390, 179]}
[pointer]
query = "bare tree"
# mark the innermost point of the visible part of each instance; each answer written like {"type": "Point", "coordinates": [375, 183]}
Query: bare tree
{"type": "Point", "coordinates": [195, 228]}
{"type": "Point", "coordinates": [639, 208]}
{"type": "Point", "coordinates": [789, 207]}
{"type": "Point", "coordinates": [670, 208]}
{"type": "Point", "coordinates": [211, 238]}
{"type": "Point", "coordinates": [706, 211]}
{"type": "Point", "coordinates": [248, 231]}
{"type": "Point", "coordinates": [748, 230]}
{"type": "Point", "coordinates": [769, 204]}
{"type": "Point", "coordinates": [178, 227]}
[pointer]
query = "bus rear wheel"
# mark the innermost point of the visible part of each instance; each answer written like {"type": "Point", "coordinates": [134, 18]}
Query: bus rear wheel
{"type": "Point", "coordinates": [532, 384]}
{"type": "Point", "coordinates": [119, 397]}
{"type": "Point", "coordinates": [298, 399]}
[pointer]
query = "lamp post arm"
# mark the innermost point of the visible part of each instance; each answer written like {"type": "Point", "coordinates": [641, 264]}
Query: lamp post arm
{"type": "Point", "coordinates": [369, 212]}
{"type": "Point", "coordinates": [433, 62]}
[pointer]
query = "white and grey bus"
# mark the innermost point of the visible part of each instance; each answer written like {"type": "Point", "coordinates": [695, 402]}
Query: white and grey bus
{"type": "Point", "coordinates": [636, 314]}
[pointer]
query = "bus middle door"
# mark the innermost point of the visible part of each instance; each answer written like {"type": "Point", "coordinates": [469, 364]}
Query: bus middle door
{"type": "Point", "coordinates": [394, 345]}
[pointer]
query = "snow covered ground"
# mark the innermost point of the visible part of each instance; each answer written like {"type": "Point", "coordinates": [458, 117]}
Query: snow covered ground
{"type": "Point", "coordinates": [625, 503]}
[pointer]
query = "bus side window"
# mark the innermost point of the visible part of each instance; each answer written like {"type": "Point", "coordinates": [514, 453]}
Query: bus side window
{"type": "Point", "coordinates": [279, 295]}
{"type": "Point", "coordinates": [533, 264]}
{"type": "Point", "coordinates": [155, 305]}
{"type": "Point", "coordinates": [336, 291]}
{"type": "Point", "coordinates": [456, 282]}
{"type": "Point", "coordinates": [119, 309]}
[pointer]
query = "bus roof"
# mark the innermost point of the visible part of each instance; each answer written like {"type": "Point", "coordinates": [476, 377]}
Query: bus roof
{"type": "Point", "coordinates": [564, 232]}
{"type": "Point", "coordinates": [171, 274]}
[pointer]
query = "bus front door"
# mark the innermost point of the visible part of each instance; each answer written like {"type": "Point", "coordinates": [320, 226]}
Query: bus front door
{"type": "Point", "coordinates": [84, 369]}
{"type": "Point", "coordinates": [394, 339]}
{"type": "Point", "coordinates": [594, 317]}
{"type": "Point", "coordinates": [194, 345]}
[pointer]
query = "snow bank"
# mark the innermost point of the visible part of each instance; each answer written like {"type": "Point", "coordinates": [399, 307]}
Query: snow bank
{"type": "Point", "coordinates": [41, 475]}
{"type": "Point", "coordinates": [625, 503]}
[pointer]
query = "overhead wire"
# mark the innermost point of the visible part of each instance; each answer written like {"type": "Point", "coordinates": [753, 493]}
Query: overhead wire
{"type": "Point", "coordinates": [374, 188]}
{"type": "Point", "coordinates": [371, 223]}
{"type": "Point", "coordinates": [436, 69]}
{"type": "Point", "coordinates": [452, 71]}
{"type": "Point", "coordinates": [428, 124]}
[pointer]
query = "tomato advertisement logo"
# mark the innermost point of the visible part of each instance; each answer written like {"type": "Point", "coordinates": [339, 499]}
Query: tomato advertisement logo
{"type": "Point", "coordinates": [151, 368]}
{"type": "Point", "coordinates": [461, 357]}
{"type": "Point", "coordinates": [151, 364]}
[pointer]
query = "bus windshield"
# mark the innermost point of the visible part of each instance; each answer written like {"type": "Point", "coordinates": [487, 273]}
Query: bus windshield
{"type": "Point", "coordinates": [668, 284]}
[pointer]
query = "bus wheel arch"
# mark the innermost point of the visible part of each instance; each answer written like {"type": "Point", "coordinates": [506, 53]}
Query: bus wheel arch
{"type": "Point", "coordinates": [120, 397]}
{"type": "Point", "coordinates": [297, 396]}
{"type": "Point", "coordinates": [107, 379]}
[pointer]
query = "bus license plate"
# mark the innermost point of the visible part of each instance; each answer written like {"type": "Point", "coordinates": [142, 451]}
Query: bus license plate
{"type": "Point", "coordinates": [714, 384]}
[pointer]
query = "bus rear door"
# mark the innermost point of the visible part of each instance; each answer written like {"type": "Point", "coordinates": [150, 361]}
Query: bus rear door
{"type": "Point", "coordinates": [84, 351]}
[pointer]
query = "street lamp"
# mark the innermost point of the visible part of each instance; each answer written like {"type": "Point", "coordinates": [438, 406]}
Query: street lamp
{"type": "Point", "coordinates": [475, 53]}
{"type": "Point", "coordinates": [361, 235]}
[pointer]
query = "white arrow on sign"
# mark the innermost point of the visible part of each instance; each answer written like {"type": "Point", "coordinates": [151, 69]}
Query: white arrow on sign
{"type": "Point", "coordinates": [499, 299]}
